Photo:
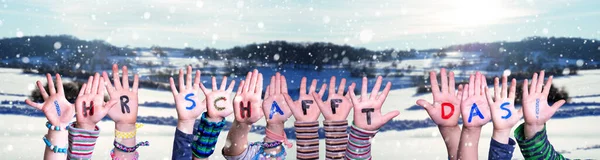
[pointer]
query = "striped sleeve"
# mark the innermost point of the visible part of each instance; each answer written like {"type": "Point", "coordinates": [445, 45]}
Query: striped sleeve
{"type": "Point", "coordinates": [336, 138]}
{"type": "Point", "coordinates": [82, 142]}
{"type": "Point", "coordinates": [359, 143]}
{"type": "Point", "coordinates": [537, 147]}
{"type": "Point", "coordinates": [307, 140]}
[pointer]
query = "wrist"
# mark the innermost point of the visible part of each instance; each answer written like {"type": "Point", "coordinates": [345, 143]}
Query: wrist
{"type": "Point", "coordinates": [531, 130]}
{"type": "Point", "coordinates": [471, 129]}
{"type": "Point", "coordinates": [186, 126]}
{"type": "Point", "coordinates": [214, 118]}
{"type": "Point", "coordinates": [501, 135]}
{"type": "Point", "coordinates": [85, 126]}
{"type": "Point", "coordinates": [125, 127]}
{"type": "Point", "coordinates": [277, 128]}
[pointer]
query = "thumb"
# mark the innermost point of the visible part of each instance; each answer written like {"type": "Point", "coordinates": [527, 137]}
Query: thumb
{"type": "Point", "coordinates": [110, 104]}
{"type": "Point", "coordinates": [389, 116]}
{"type": "Point", "coordinates": [318, 100]}
{"type": "Point", "coordinates": [557, 105]}
{"type": "Point", "coordinates": [423, 103]}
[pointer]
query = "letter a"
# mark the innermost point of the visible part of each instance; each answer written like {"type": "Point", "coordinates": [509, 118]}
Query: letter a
{"type": "Point", "coordinates": [475, 111]}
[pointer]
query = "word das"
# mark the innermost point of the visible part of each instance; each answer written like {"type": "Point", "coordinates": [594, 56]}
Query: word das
{"type": "Point", "coordinates": [503, 107]}
{"type": "Point", "coordinates": [217, 100]}
{"type": "Point", "coordinates": [444, 105]}
{"type": "Point", "coordinates": [305, 105]}
{"type": "Point", "coordinates": [275, 109]}
{"type": "Point", "coordinates": [475, 111]}
{"type": "Point", "coordinates": [368, 112]}
{"type": "Point", "coordinates": [187, 98]}
{"type": "Point", "coordinates": [57, 107]}
{"type": "Point", "coordinates": [124, 106]}
{"type": "Point", "coordinates": [86, 109]}
{"type": "Point", "coordinates": [335, 103]}
{"type": "Point", "coordinates": [537, 108]}
{"type": "Point", "coordinates": [245, 109]}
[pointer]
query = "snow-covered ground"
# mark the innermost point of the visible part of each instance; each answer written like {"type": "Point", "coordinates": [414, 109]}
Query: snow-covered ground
{"type": "Point", "coordinates": [22, 140]}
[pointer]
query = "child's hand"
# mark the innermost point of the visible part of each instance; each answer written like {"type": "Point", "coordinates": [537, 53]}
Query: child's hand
{"type": "Point", "coordinates": [219, 104]}
{"type": "Point", "coordinates": [126, 106]}
{"type": "Point", "coordinates": [474, 106]}
{"type": "Point", "coordinates": [56, 107]}
{"type": "Point", "coordinates": [90, 104]}
{"type": "Point", "coordinates": [187, 100]}
{"type": "Point", "coordinates": [445, 109]}
{"type": "Point", "coordinates": [305, 109]}
{"type": "Point", "coordinates": [247, 101]}
{"type": "Point", "coordinates": [504, 113]}
{"type": "Point", "coordinates": [274, 106]}
{"type": "Point", "coordinates": [337, 107]}
{"type": "Point", "coordinates": [367, 110]}
{"type": "Point", "coordinates": [535, 104]}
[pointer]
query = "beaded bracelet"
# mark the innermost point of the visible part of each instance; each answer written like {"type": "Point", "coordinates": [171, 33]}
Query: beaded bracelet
{"type": "Point", "coordinates": [124, 148]}
{"type": "Point", "coordinates": [114, 157]}
{"type": "Point", "coordinates": [54, 148]}
{"type": "Point", "coordinates": [53, 127]}
{"type": "Point", "coordinates": [278, 156]}
{"type": "Point", "coordinates": [270, 145]}
{"type": "Point", "coordinates": [127, 135]}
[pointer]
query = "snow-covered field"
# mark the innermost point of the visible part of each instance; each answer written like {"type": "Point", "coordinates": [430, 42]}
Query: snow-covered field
{"type": "Point", "coordinates": [21, 135]}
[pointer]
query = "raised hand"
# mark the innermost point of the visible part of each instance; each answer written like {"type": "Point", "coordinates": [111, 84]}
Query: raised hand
{"type": "Point", "coordinates": [219, 103]}
{"type": "Point", "coordinates": [504, 113]}
{"type": "Point", "coordinates": [304, 108]}
{"type": "Point", "coordinates": [187, 100]}
{"type": "Point", "coordinates": [337, 107]}
{"type": "Point", "coordinates": [367, 110]}
{"type": "Point", "coordinates": [90, 106]}
{"type": "Point", "coordinates": [535, 104]}
{"type": "Point", "coordinates": [474, 107]}
{"type": "Point", "coordinates": [274, 106]}
{"type": "Point", "coordinates": [444, 111]}
{"type": "Point", "coordinates": [126, 108]}
{"type": "Point", "coordinates": [57, 109]}
{"type": "Point", "coordinates": [247, 102]}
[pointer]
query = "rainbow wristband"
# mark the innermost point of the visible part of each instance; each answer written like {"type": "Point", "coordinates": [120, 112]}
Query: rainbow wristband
{"type": "Point", "coordinates": [54, 148]}
{"type": "Point", "coordinates": [81, 142]}
{"type": "Point", "coordinates": [206, 137]}
{"type": "Point", "coordinates": [359, 144]}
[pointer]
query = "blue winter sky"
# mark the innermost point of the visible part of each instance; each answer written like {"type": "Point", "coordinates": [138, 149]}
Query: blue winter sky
{"type": "Point", "coordinates": [378, 24]}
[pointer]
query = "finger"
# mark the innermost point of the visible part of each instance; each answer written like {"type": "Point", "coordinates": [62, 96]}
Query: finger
{"type": "Point", "coordinates": [385, 92]}
{"type": "Point", "coordinates": [483, 84]}
{"type": "Point", "coordinates": [322, 90]}
{"type": "Point", "coordinates": [331, 85]}
{"type": "Point", "coordinates": [533, 83]}
{"type": "Point", "coordinates": [513, 89]}
{"type": "Point", "coordinates": [82, 90]}
{"type": "Point", "coordinates": [435, 88]}
{"type": "Point", "coordinates": [548, 86]}
{"type": "Point", "coordinates": [363, 90]}
{"type": "Point", "coordinates": [271, 86]}
{"type": "Point", "coordinates": [214, 83]}
{"type": "Point", "coordinates": [42, 89]}
{"type": "Point", "coordinates": [231, 86]}
{"type": "Point", "coordinates": [389, 116]}
{"type": "Point", "coordinates": [253, 81]}
{"type": "Point", "coordinates": [116, 79]}
{"type": "Point", "coordinates": [173, 88]}
{"type": "Point", "coordinates": [489, 97]}
{"type": "Point", "coordinates": [204, 90]}
{"type": "Point", "coordinates": [342, 86]}
{"type": "Point", "coordinates": [109, 86]}
{"type": "Point", "coordinates": [423, 103]}
{"type": "Point", "coordinates": [268, 92]}
{"type": "Point", "coordinates": [459, 93]}
{"type": "Point", "coordinates": [96, 83]}
{"type": "Point", "coordinates": [181, 81]}
{"type": "Point", "coordinates": [125, 78]}
{"type": "Point", "coordinates": [477, 85]}
{"type": "Point", "coordinates": [352, 95]}
{"type": "Point", "coordinates": [540, 82]}
{"type": "Point", "coordinates": [101, 88]}
{"type": "Point", "coordinates": [240, 88]}
{"type": "Point", "coordinates": [318, 99]}
{"type": "Point", "coordinates": [259, 85]}
{"type": "Point", "coordinates": [444, 78]}
{"type": "Point", "coordinates": [197, 80]}
{"type": "Point", "coordinates": [188, 82]}
{"type": "Point", "coordinates": [303, 86]}
{"type": "Point", "coordinates": [90, 83]}
{"type": "Point", "coordinates": [466, 91]}
{"type": "Point", "coordinates": [277, 83]}
{"type": "Point", "coordinates": [248, 80]}
{"type": "Point", "coordinates": [59, 84]}
{"type": "Point", "coordinates": [452, 83]}
{"type": "Point", "coordinates": [470, 86]}
{"type": "Point", "coordinates": [33, 104]}
{"type": "Point", "coordinates": [375, 90]}
{"type": "Point", "coordinates": [136, 82]}
{"type": "Point", "coordinates": [504, 92]}
{"type": "Point", "coordinates": [50, 84]}
{"type": "Point", "coordinates": [109, 105]}
{"type": "Point", "coordinates": [524, 89]}
{"type": "Point", "coordinates": [223, 83]}
{"type": "Point", "coordinates": [313, 86]}
{"type": "Point", "coordinates": [496, 90]}
{"type": "Point", "coordinates": [288, 100]}
{"type": "Point", "coordinates": [283, 82]}
{"type": "Point", "coordinates": [556, 106]}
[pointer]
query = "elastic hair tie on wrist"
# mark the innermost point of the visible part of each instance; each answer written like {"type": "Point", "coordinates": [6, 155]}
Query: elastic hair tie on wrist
{"type": "Point", "coordinates": [270, 145]}
{"type": "Point", "coordinates": [114, 157]}
{"type": "Point", "coordinates": [54, 148]}
{"type": "Point", "coordinates": [124, 148]}
{"type": "Point", "coordinates": [277, 137]}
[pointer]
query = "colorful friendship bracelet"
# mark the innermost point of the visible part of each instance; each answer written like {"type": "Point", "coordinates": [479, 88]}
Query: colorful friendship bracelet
{"type": "Point", "coordinates": [307, 140]}
{"type": "Point", "coordinates": [54, 148]}
{"type": "Point", "coordinates": [207, 133]}
{"type": "Point", "coordinates": [81, 142]}
{"type": "Point", "coordinates": [127, 135]}
{"type": "Point", "coordinates": [270, 145]}
{"type": "Point", "coordinates": [262, 155]}
{"type": "Point", "coordinates": [274, 136]}
{"type": "Point", "coordinates": [53, 127]}
{"type": "Point", "coordinates": [336, 138]}
{"type": "Point", "coordinates": [114, 157]}
{"type": "Point", "coordinates": [359, 145]}
{"type": "Point", "coordinates": [127, 149]}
